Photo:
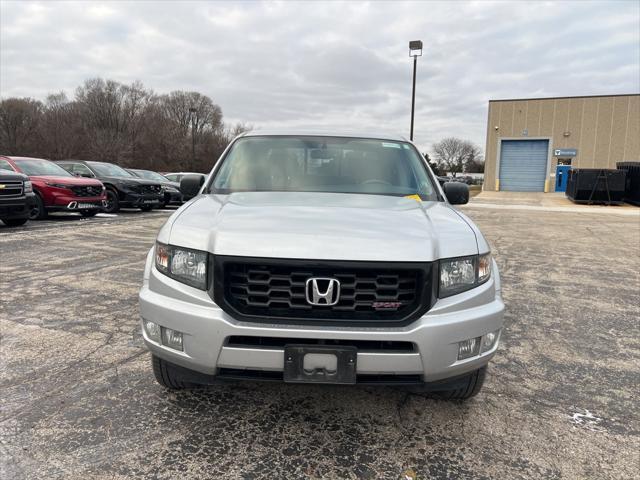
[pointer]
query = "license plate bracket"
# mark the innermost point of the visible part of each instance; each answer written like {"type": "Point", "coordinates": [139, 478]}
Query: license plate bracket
{"type": "Point", "coordinates": [345, 365]}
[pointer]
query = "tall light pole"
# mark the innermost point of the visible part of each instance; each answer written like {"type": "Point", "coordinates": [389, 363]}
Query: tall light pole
{"type": "Point", "coordinates": [192, 114]}
{"type": "Point", "coordinates": [415, 51]}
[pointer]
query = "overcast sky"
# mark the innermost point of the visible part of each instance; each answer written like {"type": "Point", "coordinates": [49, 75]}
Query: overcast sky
{"type": "Point", "coordinates": [329, 64]}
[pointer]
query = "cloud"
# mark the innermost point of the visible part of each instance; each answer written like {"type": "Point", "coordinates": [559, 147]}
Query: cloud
{"type": "Point", "coordinates": [329, 65]}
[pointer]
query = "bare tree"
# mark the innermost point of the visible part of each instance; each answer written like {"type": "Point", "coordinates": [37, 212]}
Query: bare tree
{"type": "Point", "coordinates": [125, 124]}
{"type": "Point", "coordinates": [453, 154]}
{"type": "Point", "coordinates": [61, 132]}
{"type": "Point", "coordinates": [19, 122]}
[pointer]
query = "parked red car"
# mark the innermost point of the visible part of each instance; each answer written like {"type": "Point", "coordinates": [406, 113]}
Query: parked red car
{"type": "Point", "coordinates": [56, 189]}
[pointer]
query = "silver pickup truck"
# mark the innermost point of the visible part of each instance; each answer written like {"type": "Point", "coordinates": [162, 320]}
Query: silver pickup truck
{"type": "Point", "coordinates": [310, 258]}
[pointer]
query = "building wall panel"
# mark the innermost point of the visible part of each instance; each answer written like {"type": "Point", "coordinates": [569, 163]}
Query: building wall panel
{"type": "Point", "coordinates": [632, 143]}
{"type": "Point", "coordinates": [618, 131]}
{"type": "Point", "coordinates": [603, 134]}
{"type": "Point", "coordinates": [586, 151]}
{"type": "Point", "coordinates": [533, 118]}
{"type": "Point", "coordinates": [519, 118]}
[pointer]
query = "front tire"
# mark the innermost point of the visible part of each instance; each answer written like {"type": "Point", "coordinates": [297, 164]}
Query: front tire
{"type": "Point", "coordinates": [15, 222]}
{"type": "Point", "coordinates": [38, 212]}
{"type": "Point", "coordinates": [167, 375]}
{"type": "Point", "coordinates": [113, 203]}
{"type": "Point", "coordinates": [473, 385]}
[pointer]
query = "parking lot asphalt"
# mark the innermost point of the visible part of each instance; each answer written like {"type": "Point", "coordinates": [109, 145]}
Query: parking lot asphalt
{"type": "Point", "coordinates": [78, 398]}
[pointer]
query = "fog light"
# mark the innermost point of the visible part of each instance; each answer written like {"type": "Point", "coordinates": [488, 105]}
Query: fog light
{"type": "Point", "coordinates": [489, 340]}
{"type": "Point", "coordinates": [172, 338]}
{"type": "Point", "coordinates": [468, 348]}
{"type": "Point", "coordinates": [153, 330]}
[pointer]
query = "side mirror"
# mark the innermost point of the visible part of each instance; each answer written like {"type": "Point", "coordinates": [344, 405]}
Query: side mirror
{"type": "Point", "coordinates": [457, 193]}
{"type": "Point", "coordinates": [190, 185]}
{"type": "Point", "coordinates": [86, 175]}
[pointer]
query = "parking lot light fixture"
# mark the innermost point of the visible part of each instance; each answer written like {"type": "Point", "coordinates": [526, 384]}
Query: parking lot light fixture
{"type": "Point", "coordinates": [192, 113]}
{"type": "Point", "coordinates": [415, 51]}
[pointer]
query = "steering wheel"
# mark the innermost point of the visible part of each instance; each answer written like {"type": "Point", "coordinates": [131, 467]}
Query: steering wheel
{"type": "Point", "coordinates": [374, 181]}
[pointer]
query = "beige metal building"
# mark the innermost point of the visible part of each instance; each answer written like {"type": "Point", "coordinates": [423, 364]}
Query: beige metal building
{"type": "Point", "coordinates": [528, 138]}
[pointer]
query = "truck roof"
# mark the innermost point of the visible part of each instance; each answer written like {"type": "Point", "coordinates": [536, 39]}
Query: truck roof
{"type": "Point", "coordinates": [325, 133]}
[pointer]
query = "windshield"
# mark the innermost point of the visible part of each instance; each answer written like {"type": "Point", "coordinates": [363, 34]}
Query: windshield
{"type": "Point", "coordinates": [324, 164]}
{"type": "Point", "coordinates": [149, 175]}
{"type": "Point", "coordinates": [108, 170]}
{"type": "Point", "coordinates": [41, 167]}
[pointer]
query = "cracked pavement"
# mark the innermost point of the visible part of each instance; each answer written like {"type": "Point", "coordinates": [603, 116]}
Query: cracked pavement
{"type": "Point", "coordinates": [78, 398]}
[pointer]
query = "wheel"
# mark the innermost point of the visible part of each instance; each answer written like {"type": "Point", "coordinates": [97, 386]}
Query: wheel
{"type": "Point", "coordinates": [146, 208]}
{"type": "Point", "coordinates": [167, 376]}
{"type": "Point", "coordinates": [15, 222]}
{"type": "Point", "coordinates": [473, 385]}
{"type": "Point", "coordinates": [38, 212]}
{"type": "Point", "coordinates": [113, 204]}
{"type": "Point", "coordinates": [89, 213]}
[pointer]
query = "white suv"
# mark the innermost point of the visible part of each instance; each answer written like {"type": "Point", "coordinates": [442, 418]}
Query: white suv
{"type": "Point", "coordinates": [322, 259]}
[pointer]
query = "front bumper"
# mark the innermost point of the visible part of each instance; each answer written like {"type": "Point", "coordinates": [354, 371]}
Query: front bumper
{"type": "Point", "coordinates": [138, 200]}
{"type": "Point", "coordinates": [207, 328]}
{"type": "Point", "coordinates": [17, 207]}
{"type": "Point", "coordinates": [71, 203]}
{"type": "Point", "coordinates": [172, 198]}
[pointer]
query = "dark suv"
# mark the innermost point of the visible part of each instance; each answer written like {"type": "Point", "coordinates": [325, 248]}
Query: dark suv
{"type": "Point", "coordinates": [16, 198]}
{"type": "Point", "coordinates": [123, 189]}
{"type": "Point", "coordinates": [172, 195]}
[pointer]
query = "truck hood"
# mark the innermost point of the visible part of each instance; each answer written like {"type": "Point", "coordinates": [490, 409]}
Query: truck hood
{"type": "Point", "coordinates": [322, 226]}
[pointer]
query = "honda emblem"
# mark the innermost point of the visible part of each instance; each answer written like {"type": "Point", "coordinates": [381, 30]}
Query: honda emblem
{"type": "Point", "coordinates": [322, 291]}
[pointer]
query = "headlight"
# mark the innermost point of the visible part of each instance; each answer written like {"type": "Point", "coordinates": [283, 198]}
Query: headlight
{"type": "Point", "coordinates": [182, 264]}
{"type": "Point", "coordinates": [458, 275]}
{"type": "Point", "coordinates": [28, 187]}
{"type": "Point", "coordinates": [58, 185]}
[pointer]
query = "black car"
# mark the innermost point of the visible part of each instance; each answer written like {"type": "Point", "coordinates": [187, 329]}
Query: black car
{"type": "Point", "coordinates": [16, 198]}
{"type": "Point", "coordinates": [172, 195]}
{"type": "Point", "coordinates": [123, 189]}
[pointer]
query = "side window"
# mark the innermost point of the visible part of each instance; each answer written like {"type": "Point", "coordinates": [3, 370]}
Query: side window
{"type": "Point", "coordinates": [4, 165]}
{"type": "Point", "coordinates": [80, 169]}
{"type": "Point", "coordinates": [67, 166]}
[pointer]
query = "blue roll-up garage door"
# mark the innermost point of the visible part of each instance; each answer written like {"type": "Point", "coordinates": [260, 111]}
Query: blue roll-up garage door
{"type": "Point", "coordinates": [523, 165]}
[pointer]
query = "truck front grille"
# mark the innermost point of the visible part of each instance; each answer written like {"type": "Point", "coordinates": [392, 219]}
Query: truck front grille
{"type": "Point", "coordinates": [10, 189]}
{"type": "Point", "coordinates": [87, 190]}
{"type": "Point", "coordinates": [376, 293]}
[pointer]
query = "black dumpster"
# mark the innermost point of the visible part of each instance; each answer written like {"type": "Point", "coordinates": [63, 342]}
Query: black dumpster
{"type": "Point", "coordinates": [632, 187]}
{"type": "Point", "coordinates": [596, 185]}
